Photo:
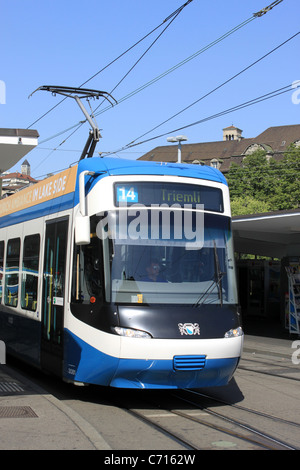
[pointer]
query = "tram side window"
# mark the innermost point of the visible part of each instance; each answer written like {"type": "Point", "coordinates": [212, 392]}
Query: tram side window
{"type": "Point", "coordinates": [12, 272]}
{"type": "Point", "coordinates": [30, 272]}
{"type": "Point", "coordinates": [87, 282]}
{"type": "Point", "coordinates": [1, 267]}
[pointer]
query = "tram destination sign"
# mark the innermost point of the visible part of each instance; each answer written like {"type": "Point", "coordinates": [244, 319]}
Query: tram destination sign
{"type": "Point", "coordinates": [168, 194]}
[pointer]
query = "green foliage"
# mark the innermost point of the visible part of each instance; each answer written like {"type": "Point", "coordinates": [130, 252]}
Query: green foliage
{"type": "Point", "coordinates": [262, 184]}
{"type": "Point", "coordinates": [248, 205]}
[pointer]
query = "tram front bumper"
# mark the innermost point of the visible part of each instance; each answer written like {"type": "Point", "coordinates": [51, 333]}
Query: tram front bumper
{"type": "Point", "coordinates": [154, 364]}
{"type": "Point", "coordinates": [160, 374]}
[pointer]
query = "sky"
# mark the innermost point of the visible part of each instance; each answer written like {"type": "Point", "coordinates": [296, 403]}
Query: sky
{"type": "Point", "coordinates": [188, 56]}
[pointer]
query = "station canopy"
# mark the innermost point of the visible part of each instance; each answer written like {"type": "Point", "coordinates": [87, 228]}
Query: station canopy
{"type": "Point", "coordinates": [14, 145]}
{"type": "Point", "coordinates": [274, 234]}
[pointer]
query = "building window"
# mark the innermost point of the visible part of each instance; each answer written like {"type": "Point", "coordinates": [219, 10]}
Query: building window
{"type": "Point", "coordinates": [12, 272]}
{"type": "Point", "coordinates": [214, 163]}
{"type": "Point", "coordinates": [30, 272]}
{"type": "Point", "coordinates": [253, 148]}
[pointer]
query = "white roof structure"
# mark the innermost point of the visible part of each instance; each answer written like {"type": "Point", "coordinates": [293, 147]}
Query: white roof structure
{"type": "Point", "coordinates": [14, 145]}
{"type": "Point", "coordinates": [274, 234]}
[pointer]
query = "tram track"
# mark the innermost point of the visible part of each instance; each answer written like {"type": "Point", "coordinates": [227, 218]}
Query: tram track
{"type": "Point", "coordinates": [275, 365]}
{"type": "Point", "coordinates": [276, 373]}
{"type": "Point", "coordinates": [220, 427]}
{"type": "Point", "coordinates": [261, 438]}
{"type": "Point", "coordinates": [248, 410]}
{"type": "Point", "coordinates": [253, 428]}
{"type": "Point", "coordinates": [198, 421]}
{"type": "Point", "coordinates": [187, 444]}
{"type": "Point", "coordinates": [188, 419]}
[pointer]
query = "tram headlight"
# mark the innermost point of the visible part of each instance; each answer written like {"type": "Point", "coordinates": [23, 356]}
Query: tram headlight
{"type": "Point", "coordinates": [130, 333]}
{"type": "Point", "coordinates": [234, 333]}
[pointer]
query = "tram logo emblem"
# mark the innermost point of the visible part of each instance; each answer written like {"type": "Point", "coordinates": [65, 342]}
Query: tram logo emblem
{"type": "Point", "coordinates": [189, 328]}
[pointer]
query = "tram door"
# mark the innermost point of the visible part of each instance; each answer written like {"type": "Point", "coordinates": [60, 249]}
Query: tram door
{"type": "Point", "coordinates": [53, 295]}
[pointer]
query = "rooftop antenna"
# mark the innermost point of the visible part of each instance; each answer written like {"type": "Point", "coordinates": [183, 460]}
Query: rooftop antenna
{"type": "Point", "coordinates": [72, 92]}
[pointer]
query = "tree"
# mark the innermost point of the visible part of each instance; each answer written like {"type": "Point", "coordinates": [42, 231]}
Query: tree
{"type": "Point", "coordinates": [262, 184]}
{"type": "Point", "coordinates": [287, 188]}
{"type": "Point", "coordinates": [248, 205]}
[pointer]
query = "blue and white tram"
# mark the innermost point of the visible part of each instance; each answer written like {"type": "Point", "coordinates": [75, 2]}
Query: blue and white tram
{"type": "Point", "coordinates": [121, 273]}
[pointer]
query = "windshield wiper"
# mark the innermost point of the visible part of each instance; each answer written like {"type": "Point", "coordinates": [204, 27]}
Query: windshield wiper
{"type": "Point", "coordinates": [217, 281]}
{"type": "Point", "coordinates": [219, 274]}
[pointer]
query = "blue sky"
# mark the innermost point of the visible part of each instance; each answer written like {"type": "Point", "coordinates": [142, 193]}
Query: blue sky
{"type": "Point", "coordinates": [66, 42]}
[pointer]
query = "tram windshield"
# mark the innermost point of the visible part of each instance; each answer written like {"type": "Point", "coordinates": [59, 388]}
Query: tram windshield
{"type": "Point", "coordinates": [148, 261]}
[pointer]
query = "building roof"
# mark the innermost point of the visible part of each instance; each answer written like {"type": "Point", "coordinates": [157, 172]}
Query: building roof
{"type": "Point", "coordinates": [16, 174]}
{"type": "Point", "coordinates": [275, 140]}
{"type": "Point", "coordinates": [232, 127]}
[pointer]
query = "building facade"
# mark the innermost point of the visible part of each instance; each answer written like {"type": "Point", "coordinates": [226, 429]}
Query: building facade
{"type": "Point", "coordinates": [13, 182]}
{"type": "Point", "coordinates": [232, 148]}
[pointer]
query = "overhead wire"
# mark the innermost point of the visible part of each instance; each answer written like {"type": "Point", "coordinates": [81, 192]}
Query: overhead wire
{"type": "Point", "coordinates": [175, 67]}
{"type": "Point", "coordinates": [256, 100]}
{"type": "Point", "coordinates": [144, 53]}
{"type": "Point", "coordinates": [218, 87]}
{"type": "Point", "coordinates": [197, 53]}
{"type": "Point", "coordinates": [174, 13]}
{"type": "Point", "coordinates": [59, 145]}
{"type": "Point", "coordinates": [180, 64]}
{"type": "Point", "coordinates": [162, 75]}
{"type": "Point", "coordinates": [77, 126]}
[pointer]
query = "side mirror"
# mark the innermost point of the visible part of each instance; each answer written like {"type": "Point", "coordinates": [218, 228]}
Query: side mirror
{"type": "Point", "coordinates": [82, 230]}
{"type": "Point", "coordinates": [82, 220]}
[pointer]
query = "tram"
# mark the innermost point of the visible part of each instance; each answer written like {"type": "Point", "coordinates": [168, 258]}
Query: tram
{"type": "Point", "coordinates": [121, 273]}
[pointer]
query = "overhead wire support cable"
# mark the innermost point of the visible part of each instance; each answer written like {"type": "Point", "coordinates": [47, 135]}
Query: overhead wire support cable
{"type": "Point", "coordinates": [154, 80]}
{"type": "Point", "coordinates": [144, 53]}
{"type": "Point", "coordinates": [255, 15]}
{"type": "Point", "coordinates": [176, 12]}
{"type": "Point", "coordinates": [219, 86]}
{"type": "Point", "coordinates": [264, 97]}
{"type": "Point", "coordinates": [265, 10]}
{"type": "Point", "coordinates": [180, 64]}
{"type": "Point", "coordinates": [204, 49]}
{"type": "Point", "coordinates": [167, 72]}
{"type": "Point", "coordinates": [259, 99]}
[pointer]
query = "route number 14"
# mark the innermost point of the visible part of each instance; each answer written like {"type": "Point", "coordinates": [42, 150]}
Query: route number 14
{"type": "Point", "coordinates": [127, 194]}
